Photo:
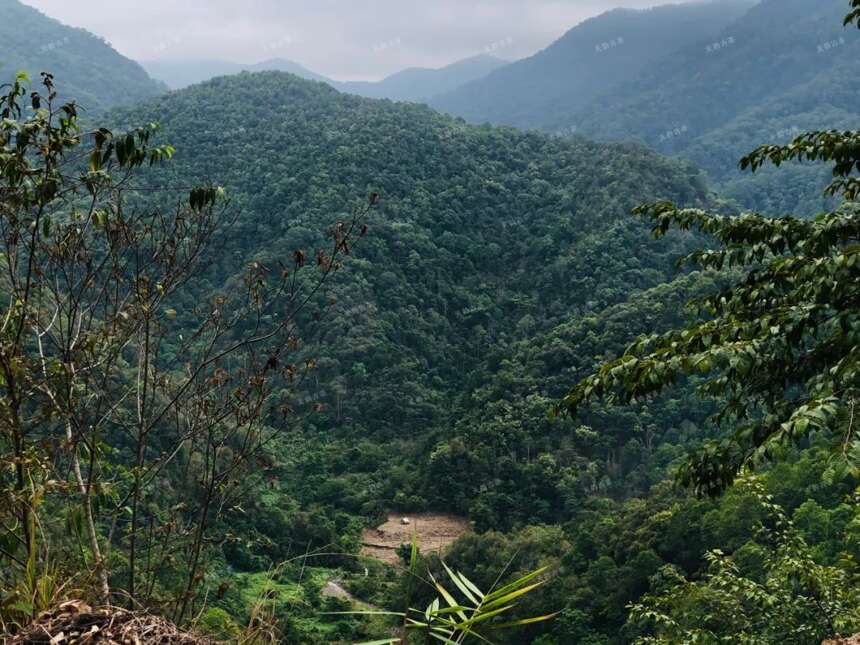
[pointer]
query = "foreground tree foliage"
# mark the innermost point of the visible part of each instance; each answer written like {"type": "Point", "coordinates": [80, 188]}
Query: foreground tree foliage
{"type": "Point", "coordinates": [793, 600]}
{"type": "Point", "coordinates": [779, 348]}
{"type": "Point", "coordinates": [118, 426]}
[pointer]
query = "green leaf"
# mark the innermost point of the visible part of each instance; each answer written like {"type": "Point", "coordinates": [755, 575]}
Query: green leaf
{"type": "Point", "coordinates": [516, 584]}
{"type": "Point", "coordinates": [524, 621]}
{"type": "Point", "coordinates": [512, 595]}
{"type": "Point", "coordinates": [455, 578]}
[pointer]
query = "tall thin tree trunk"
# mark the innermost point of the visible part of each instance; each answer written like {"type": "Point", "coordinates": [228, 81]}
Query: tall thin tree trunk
{"type": "Point", "coordinates": [89, 521]}
{"type": "Point", "coordinates": [142, 392]}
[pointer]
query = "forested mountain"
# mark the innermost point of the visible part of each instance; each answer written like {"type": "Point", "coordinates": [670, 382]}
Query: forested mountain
{"type": "Point", "coordinates": [238, 340]}
{"type": "Point", "coordinates": [93, 72]}
{"type": "Point", "coordinates": [764, 84]}
{"type": "Point", "coordinates": [501, 267]}
{"type": "Point", "coordinates": [554, 84]}
{"type": "Point", "coordinates": [413, 84]}
{"type": "Point", "coordinates": [732, 83]}
{"type": "Point", "coordinates": [486, 238]}
{"type": "Point", "coordinates": [420, 83]}
{"type": "Point", "coordinates": [182, 73]}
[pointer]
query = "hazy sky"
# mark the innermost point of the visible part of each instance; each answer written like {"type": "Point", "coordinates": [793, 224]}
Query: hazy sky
{"type": "Point", "coordinates": [343, 39]}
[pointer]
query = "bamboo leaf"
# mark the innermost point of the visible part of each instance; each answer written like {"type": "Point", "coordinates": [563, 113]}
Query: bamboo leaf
{"type": "Point", "coordinates": [515, 585]}
{"type": "Point", "coordinates": [514, 594]}
{"type": "Point", "coordinates": [524, 621]}
{"type": "Point", "coordinates": [449, 598]}
{"type": "Point", "coordinates": [472, 586]}
{"type": "Point", "coordinates": [461, 586]}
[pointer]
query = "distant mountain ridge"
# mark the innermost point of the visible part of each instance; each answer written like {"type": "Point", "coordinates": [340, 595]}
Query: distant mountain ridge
{"type": "Point", "coordinates": [417, 83]}
{"type": "Point", "coordinates": [89, 69]}
{"type": "Point", "coordinates": [766, 86]}
{"type": "Point", "coordinates": [412, 84]}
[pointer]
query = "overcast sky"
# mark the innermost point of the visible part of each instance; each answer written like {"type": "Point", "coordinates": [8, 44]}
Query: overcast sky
{"type": "Point", "coordinates": [342, 39]}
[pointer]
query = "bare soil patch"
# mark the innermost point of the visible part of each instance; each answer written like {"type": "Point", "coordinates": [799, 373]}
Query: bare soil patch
{"type": "Point", "coordinates": [435, 532]}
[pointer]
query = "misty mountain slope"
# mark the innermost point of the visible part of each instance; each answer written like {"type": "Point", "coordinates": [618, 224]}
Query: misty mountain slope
{"type": "Point", "coordinates": [92, 72]}
{"type": "Point", "coordinates": [589, 59]}
{"type": "Point", "coordinates": [828, 101]}
{"type": "Point", "coordinates": [705, 89]}
{"type": "Point", "coordinates": [765, 85]}
{"type": "Point", "coordinates": [484, 236]}
{"type": "Point", "coordinates": [419, 83]}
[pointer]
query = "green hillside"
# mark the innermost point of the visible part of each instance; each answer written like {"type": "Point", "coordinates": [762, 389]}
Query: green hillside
{"type": "Point", "coordinates": [550, 87]}
{"type": "Point", "coordinates": [490, 251]}
{"type": "Point", "coordinates": [484, 236]}
{"type": "Point", "coordinates": [501, 267]}
{"type": "Point", "coordinates": [767, 85]}
{"type": "Point", "coordinates": [93, 73]}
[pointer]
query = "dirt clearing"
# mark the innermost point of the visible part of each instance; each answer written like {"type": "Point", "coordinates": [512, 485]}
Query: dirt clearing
{"type": "Point", "coordinates": [435, 533]}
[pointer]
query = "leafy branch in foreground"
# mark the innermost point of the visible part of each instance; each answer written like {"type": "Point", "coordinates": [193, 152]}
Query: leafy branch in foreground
{"type": "Point", "coordinates": [780, 348]}
{"type": "Point", "coordinates": [796, 600]}
{"type": "Point", "coordinates": [124, 386]}
{"type": "Point", "coordinates": [854, 16]}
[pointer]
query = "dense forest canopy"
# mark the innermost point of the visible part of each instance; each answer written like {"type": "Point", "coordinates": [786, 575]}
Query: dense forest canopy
{"type": "Point", "coordinates": [422, 318]}
{"type": "Point", "coordinates": [551, 214]}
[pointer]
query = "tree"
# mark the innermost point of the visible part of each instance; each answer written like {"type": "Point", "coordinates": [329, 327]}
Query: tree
{"type": "Point", "coordinates": [797, 600]}
{"type": "Point", "coordinates": [116, 386]}
{"type": "Point", "coordinates": [779, 348]}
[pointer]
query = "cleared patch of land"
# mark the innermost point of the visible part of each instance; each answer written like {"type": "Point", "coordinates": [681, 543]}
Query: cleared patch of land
{"type": "Point", "coordinates": [334, 589]}
{"type": "Point", "coordinates": [435, 532]}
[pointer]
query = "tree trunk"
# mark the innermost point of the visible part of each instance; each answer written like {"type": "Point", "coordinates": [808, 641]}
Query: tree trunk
{"type": "Point", "coordinates": [86, 501]}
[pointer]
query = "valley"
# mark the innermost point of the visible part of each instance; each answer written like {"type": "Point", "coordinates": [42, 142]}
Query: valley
{"type": "Point", "coordinates": [265, 330]}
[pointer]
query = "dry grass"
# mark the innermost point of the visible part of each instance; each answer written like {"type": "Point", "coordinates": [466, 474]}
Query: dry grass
{"type": "Point", "coordinates": [76, 623]}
